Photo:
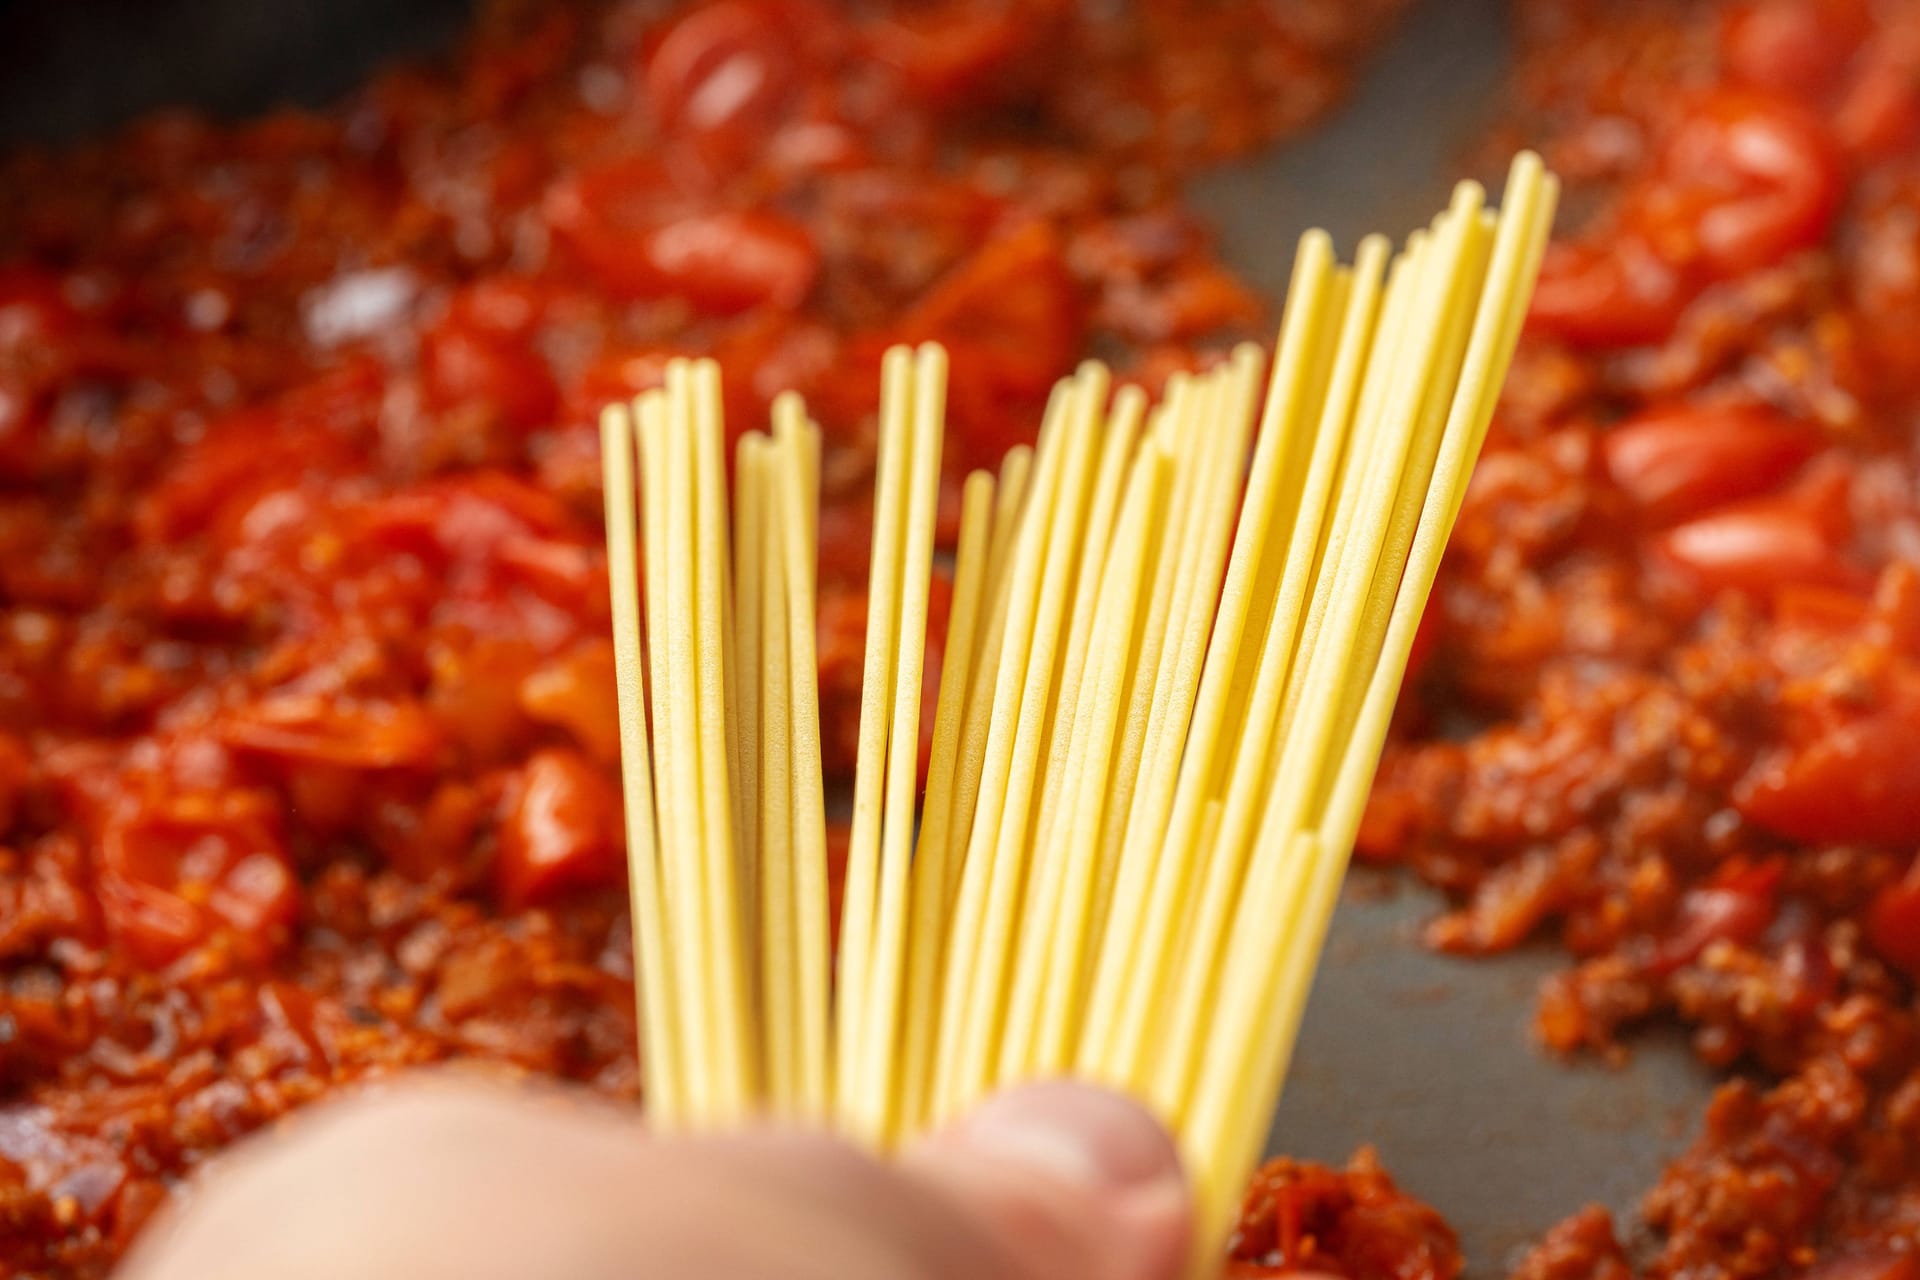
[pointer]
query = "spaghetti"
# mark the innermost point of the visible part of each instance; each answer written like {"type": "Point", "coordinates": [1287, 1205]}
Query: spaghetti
{"type": "Point", "coordinates": [1166, 683]}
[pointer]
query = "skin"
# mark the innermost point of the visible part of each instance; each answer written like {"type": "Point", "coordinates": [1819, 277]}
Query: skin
{"type": "Point", "coordinates": [456, 1179]}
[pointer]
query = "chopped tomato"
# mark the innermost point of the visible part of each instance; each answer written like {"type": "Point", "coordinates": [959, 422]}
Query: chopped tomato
{"type": "Point", "coordinates": [722, 77]}
{"type": "Point", "coordinates": [1764, 544]}
{"type": "Point", "coordinates": [1680, 461]}
{"type": "Point", "coordinates": [639, 236]}
{"type": "Point", "coordinates": [465, 365]}
{"type": "Point", "coordinates": [1736, 906]}
{"type": "Point", "coordinates": [1856, 781]}
{"type": "Point", "coordinates": [951, 52]}
{"type": "Point", "coordinates": [175, 869]}
{"type": "Point", "coordinates": [336, 731]}
{"type": "Point", "coordinates": [1746, 179]}
{"type": "Point", "coordinates": [1793, 46]}
{"type": "Point", "coordinates": [561, 831]}
{"type": "Point", "coordinates": [1613, 294]}
{"type": "Point", "coordinates": [1011, 319]}
{"type": "Point", "coordinates": [1893, 923]}
{"type": "Point", "coordinates": [575, 692]}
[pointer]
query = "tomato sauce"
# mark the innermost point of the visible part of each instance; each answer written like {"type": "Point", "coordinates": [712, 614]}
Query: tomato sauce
{"type": "Point", "coordinates": [307, 772]}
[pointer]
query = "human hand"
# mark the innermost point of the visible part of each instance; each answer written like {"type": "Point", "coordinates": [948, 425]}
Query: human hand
{"type": "Point", "coordinates": [460, 1180]}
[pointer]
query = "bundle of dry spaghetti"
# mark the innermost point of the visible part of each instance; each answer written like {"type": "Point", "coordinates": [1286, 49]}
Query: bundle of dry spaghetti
{"type": "Point", "coordinates": [1176, 637]}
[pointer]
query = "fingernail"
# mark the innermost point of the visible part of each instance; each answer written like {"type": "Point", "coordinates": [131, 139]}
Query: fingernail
{"type": "Point", "coordinates": [1081, 1134]}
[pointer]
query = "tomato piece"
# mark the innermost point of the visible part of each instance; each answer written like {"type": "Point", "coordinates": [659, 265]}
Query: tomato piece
{"type": "Point", "coordinates": [463, 365]}
{"type": "Point", "coordinates": [1013, 321]}
{"type": "Point", "coordinates": [1746, 179]}
{"type": "Point", "coordinates": [1893, 924]}
{"type": "Point", "coordinates": [174, 871]}
{"type": "Point", "coordinates": [473, 695]}
{"type": "Point", "coordinates": [16, 770]}
{"type": "Point", "coordinates": [1793, 46]}
{"type": "Point", "coordinates": [1737, 906]}
{"type": "Point", "coordinates": [464, 521]}
{"type": "Point", "coordinates": [298, 728]}
{"type": "Point", "coordinates": [561, 831]}
{"type": "Point", "coordinates": [1679, 461]}
{"type": "Point", "coordinates": [1613, 295]}
{"type": "Point", "coordinates": [722, 78]}
{"type": "Point", "coordinates": [631, 228]}
{"type": "Point", "coordinates": [948, 53]}
{"type": "Point", "coordinates": [728, 262]}
{"type": "Point", "coordinates": [1858, 781]}
{"type": "Point", "coordinates": [1878, 116]}
{"type": "Point", "coordinates": [1764, 544]}
{"type": "Point", "coordinates": [576, 693]}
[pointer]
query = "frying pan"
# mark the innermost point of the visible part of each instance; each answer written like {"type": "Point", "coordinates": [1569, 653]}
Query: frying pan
{"type": "Point", "coordinates": [1426, 1057]}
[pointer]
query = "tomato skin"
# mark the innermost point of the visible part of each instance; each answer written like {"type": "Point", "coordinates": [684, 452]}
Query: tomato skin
{"type": "Point", "coordinates": [576, 692]}
{"type": "Point", "coordinates": [299, 729]}
{"type": "Point", "coordinates": [1736, 906]}
{"type": "Point", "coordinates": [561, 831]}
{"type": "Point", "coordinates": [466, 365]}
{"type": "Point", "coordinates": [1763, 544]}
{"type": "Point", "coordinates": [1791, 45]}
{"type": "Point", "coordinates": [1893, 923]}
{"type": "Point", "coordinates": [1678, 461]}
{"type": "Point", "coordinates": [949, 53]}
{"type": "Point", "coordinates": [175, 869]}
{"type": "Point", "coordinates": [1615, 295]}
{"type": "Point", "coordinates": [1746, 179]}
{"type": "Point", "coordinates": [1012, 320]}
{"type": "Point", "coordinates": [639, 234]}
{"type": "Point", "coordinates": [1858, 781]}
{"type": "Point", "coordinates": [728, 262]}
{"type": "Point", "coordinates": [721, 78]}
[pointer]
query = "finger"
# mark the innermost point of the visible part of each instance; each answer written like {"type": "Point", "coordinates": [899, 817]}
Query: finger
{"type": "Point", "coordinates": [453, 1180]}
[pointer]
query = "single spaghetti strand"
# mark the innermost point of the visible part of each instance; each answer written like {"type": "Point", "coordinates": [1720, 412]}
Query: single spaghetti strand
{"type": "Point", "coordinates": [932, 877]}
{"type": "Point", "coordinates": [861, 893]}
{"type": "Point", "coordinates": [692, 924]}
{"type": "Point", "coordinates": [977, 719]}
{"type": "Point", "coordinates": [744, 720]}
{"type": "Point", "coordinates": [878, 1107]}
{"type": "Point", "coordinates": [794, 469]}
{"type": "Point", "coordinates": [734, 1035]}
{"type": "Point", "coordinates": [661, 1068]}
{"type": "Point", "coordinates": [1115, 449]}
{"type": "Point", "coordinates": [779, 988]}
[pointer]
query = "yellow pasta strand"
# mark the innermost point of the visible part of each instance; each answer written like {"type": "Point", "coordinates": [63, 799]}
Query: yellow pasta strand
{"type": "Point", "coordinates": [662, 1066]}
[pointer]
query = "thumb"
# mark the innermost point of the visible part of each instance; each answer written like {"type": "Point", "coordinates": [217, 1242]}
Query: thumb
{"type": "Point", "coordinates": [1066, 1180]}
